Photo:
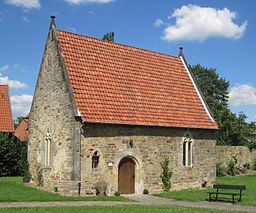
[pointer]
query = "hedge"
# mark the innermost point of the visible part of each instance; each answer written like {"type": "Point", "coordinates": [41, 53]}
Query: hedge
{"type": "Point", "coordinates": [13, 156]}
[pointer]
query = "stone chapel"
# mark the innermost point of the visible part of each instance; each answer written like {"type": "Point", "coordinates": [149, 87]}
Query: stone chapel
{"type": "Point", "coordinates": [108, 112]}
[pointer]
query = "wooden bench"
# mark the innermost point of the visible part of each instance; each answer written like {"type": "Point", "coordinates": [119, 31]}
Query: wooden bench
{"type": "Point", "coordinates": [229, 190]}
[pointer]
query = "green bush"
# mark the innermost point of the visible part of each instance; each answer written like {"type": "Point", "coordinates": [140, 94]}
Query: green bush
{"type": "Point", "coordinates": [254, 164]}
{"type": "Point", "coordinates": [26, 175]}
{"type": "Point", "coordinates": [251, 144]}
{"type": "Point", "coordinates": [166, 176]}
{"type": "Point", "coordinates": [117, 194]}
{"type": "Point", "coordinates": [220, 169]}
{"type": "Point", "coordinates": [231, 167]}
{"type": "Point", "coordinates": [13, 156]}
{"type": "Point", "coordinates": [145, 191]}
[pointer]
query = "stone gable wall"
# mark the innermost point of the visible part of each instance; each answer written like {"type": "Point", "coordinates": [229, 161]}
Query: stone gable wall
{"type": "Point", "coordinates": [52, 111]}
{"type": "Point", "coordinates": [151, 145]}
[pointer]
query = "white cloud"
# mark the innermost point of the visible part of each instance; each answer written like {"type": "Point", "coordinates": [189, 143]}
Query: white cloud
{"type": "Point", "coordinates": [197, 23]}
{"type": "Point", "coordinates": [12, 83]}
{"type": "Point", "coordinates": [158, 22]}
{"type": "Point", "coordinates": [243, 94]}
{"type": "Point", "coordinates": [21, 104]}
{"type": "Point", "coordinates": [88, 1]}
{"type": "Point", "coordinates": [25, 19]}
{"type": "Point", "coordinates": [4, 68]}
{"type": "Point", "coordinates": [27, 4]}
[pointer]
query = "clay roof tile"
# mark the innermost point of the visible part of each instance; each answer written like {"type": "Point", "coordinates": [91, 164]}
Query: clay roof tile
{"type": "Point", "coordinates": [6, 122]}
{"type": "Point", "coordinates": [119, 84]}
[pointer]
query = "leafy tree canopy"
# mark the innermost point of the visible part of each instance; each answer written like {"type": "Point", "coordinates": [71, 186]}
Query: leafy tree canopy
{"type": "Point", "coordinates": [20, 119]}
{"type": "Point", "coordinates": [233, 129]}
{"type": "Point", "coordinates": [13, 155]}
{"type": "Point", "coordinates": [109, 37]}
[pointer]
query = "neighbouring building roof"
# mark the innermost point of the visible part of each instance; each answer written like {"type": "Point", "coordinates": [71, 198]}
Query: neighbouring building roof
{"type": "Point", "coordinates": [6, 122]}
{"type": "Point", "coordinates": [21, 132]}
{"type": "Point", "coordinates": [119, 84]}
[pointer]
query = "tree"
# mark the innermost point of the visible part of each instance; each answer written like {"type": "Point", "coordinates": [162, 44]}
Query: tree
{"type": "Point", "coordinates": [13, 155]}
{"type": "Point", "coordinates": [17, 121]}
{"type": "Point", "coordinates": [233, 129]}
{"type": "Point", "coordinates": [20, 119]}
{"type": "Point", "coordinates": [109, 37]}
{"type": "Point", "coordinates": [214, 88]}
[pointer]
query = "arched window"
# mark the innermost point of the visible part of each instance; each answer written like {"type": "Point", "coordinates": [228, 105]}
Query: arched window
{"type": "Point", "coordinates": [48, 149]}
{"type": "Point", "coordinates": [187, 151]}
{"type": "Point", "coordinates": [95, 159]}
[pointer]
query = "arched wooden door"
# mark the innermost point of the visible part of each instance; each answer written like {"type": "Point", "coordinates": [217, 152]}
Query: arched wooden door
{"type": "Point", "coordinates": [126, 176]}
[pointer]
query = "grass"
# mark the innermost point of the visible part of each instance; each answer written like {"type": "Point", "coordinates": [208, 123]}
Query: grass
{"type": "Point", "coordinates": [12, 189]}
{"type": "Point", "coordinates": [113, 209]}
{"type": "Point", "coordinates": [248, 197]}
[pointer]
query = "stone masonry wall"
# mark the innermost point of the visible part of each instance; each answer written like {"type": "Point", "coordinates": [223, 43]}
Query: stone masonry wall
{"type": "Point", "coordinates": [151, 145]}
{"type": "Point", "coordinates": [52, 113]}
{"type": "Point", "coordinates": [225, 153]}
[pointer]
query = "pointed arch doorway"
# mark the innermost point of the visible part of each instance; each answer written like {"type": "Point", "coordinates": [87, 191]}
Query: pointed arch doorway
{"type": "Point", "coordinates": [126, 176]}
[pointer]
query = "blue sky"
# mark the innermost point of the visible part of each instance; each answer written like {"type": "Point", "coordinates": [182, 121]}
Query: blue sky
{"type": "Point", "coordinates": [216, 34]}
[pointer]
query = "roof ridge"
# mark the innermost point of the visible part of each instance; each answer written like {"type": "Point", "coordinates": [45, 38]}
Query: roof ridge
{"type": "Point", "coordinates": [119, 44]}
{"type": "Point", "coordinates": [3, 85]}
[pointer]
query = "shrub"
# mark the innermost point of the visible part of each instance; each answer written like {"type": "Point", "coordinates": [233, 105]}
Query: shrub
{"type": "Point", "coordinates": [166, 176]}
{"type": "Point", "coordinates": [254, 164]}
{"type": "Point", "coordinates": [251, 145]}
{"type": "Point", "coordinates": [220, 169]}
{"type": "Point", "coordinates": [145, 191]}
{"type": "Point", "coordinates": [13, 156]}
{"type": "Point", "coordinates": [117, 194]}
{"type": "Point", "coordinates": [231, 167]}
{"type": "Point", "coordinates": [26, 175]}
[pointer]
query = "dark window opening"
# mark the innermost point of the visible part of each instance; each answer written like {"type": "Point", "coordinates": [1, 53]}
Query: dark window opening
{"type": "Point", "coordinates": [184, 153]}
{"type": "Point", "coordinates": [95, 159]}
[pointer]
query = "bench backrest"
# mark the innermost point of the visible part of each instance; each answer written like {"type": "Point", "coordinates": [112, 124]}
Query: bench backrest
{"type": "Point", "coordinates": [225, 186]}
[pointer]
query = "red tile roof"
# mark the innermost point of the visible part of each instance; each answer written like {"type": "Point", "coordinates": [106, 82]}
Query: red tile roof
{"type": "Point", "coordinates": [21, 132]}
{"type": "Point", "coordinates": [6, 122]}
{"type": "Point", "coordinates": [119, 84]}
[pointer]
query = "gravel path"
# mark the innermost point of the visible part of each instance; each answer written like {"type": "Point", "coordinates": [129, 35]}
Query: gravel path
{"type": "Point", "coordinates": [140, 200]}
{"type": "Point", "coordinates": [152, 200]}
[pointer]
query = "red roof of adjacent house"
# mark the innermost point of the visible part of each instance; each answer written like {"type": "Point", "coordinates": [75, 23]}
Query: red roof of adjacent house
{"type": "Point", "coordinates": [119, 84]}
{"type": "Point", "coordinates": [6, 122]}
{"type": "Point", "coordinates": [21, 132]}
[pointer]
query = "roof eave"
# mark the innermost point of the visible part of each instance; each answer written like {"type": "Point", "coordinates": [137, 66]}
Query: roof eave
{"type": "Point", "coordinates": [150, 125]}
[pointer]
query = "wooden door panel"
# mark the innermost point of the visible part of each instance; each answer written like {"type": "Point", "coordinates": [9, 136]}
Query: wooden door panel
{"type": "Point", "coordinates": [126, 176]}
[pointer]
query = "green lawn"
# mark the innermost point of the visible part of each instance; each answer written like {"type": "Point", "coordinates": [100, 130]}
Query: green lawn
{"type": "Point", "coordinates": [248, 198]}
{"type": "Point", "coordinates": [13, 189]}
{"type": "Point", "coordinates": [113, 209]}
